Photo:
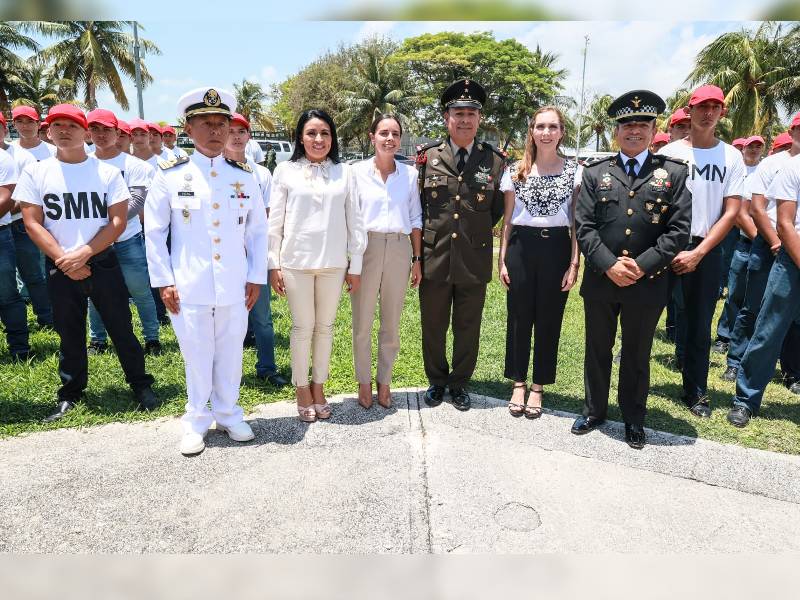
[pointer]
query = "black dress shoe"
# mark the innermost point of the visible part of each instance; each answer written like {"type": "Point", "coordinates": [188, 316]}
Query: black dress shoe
{"type": "Point", "coordinates": [96, 347]}
{"type": "Point", "coordinates": [720, 346]}
{"type": "Point", "coordinates": [434, 395]}
{"type": "Point", "coordinates": [146, 398]}
{"type": "Point", "coordinates": [62, 408]}
{"type": "Point", "coordinates": [277, 380]}
{"type": "Point", "coordinates": [739, 415]}
{"type": "Point", "coordinates": [730, 374]}
{"type": "Point", "coordinates": [153, 348]}
{"type": "Point", "coordinates": [697, 405]}
{"type": "Point", "coordinates": [634, 435]}
{"type": "Point", "coordinates": [585, 424]}
{"type": "Point", "coordinates": [460, 398]}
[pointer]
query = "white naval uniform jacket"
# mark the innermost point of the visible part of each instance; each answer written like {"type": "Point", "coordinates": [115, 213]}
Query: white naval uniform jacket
{"type": "Point", "coordinates": [214, 211]}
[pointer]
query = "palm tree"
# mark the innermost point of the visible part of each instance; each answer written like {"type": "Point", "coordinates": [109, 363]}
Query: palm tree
{"type": "Point", "coordinates": [11, 39]}
{"type": "Point", "coordinates": [758, 72]}
{"type": "Point", "coordinates": [250, 98]}
{"type": "Point", "coordinates": [378, 87]}
{"type": "Point", "coordinates": [95, 55]}
{"type": "Point", "coordinates": [597, 122]}
{"type": "Point", "coordinates": [38, 85]}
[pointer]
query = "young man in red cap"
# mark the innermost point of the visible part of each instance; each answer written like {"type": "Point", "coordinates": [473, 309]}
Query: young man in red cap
{"type": "Point", "coordinates": [129, 247]}
{"type": "Point", "coordinates": [26, 122]}
{"type": "Point", "coordinates": [679, 125]}
{"type": "Point", "coordinates": [169, 138]}
{"type": "Point", "coordinates": [260, 319]}
{"type": "Point", "coordinates": [123, 137]}
{"type": "Point", "coordinates": [736, 255]}
{"type": "Point", "coordinates": [74, 208]}
{"type": "Point", "coordinates": [155, 142]}
{"type": "Point", "coordinates": [781, 142]}
{"type": "Point", "coordinates": [140, 142]}
{"type": "Point", "coordinates": [659, 141]}
{"type": "Point", "coordinates": [738, 143]}
{"type": "Point", "coordinates": [716, 176]}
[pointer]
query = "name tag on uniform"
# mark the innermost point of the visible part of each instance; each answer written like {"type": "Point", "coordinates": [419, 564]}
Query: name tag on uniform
{"type": "Point", "coordinates": [189, 193]}
{"type": "Point", "coordinates": [241, 220]}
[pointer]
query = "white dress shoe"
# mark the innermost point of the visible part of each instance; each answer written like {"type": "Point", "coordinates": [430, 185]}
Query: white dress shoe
{"type": "Point", "coordinates": [240, 432]}
{"type": "Point", "coordinates": [192, 443]}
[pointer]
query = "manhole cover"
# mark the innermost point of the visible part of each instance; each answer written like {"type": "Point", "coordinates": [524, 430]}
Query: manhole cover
{"type": "Point", "coordinates": [517, 517]}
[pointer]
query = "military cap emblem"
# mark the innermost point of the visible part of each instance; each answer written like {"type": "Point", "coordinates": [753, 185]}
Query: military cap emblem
{"type": "Point", "coordinates": [464, 93]}
{"type": "Point", "coordinates": [211, 98]}
{"type": "Point", "coordinates": [636, 101]}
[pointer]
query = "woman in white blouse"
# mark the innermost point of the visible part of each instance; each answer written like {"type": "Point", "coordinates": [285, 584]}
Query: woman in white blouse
{"type": "Point", "coordinates": [539, 257]}
{"type": "Point", "coordinates": [389, 200]}
{"type": "Point", "coordinates": [316, 243]}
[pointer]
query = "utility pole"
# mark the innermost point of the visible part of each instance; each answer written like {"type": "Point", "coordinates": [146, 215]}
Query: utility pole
{"type": "Point", "coordinates": [583, 87]}
{"type": "Point", "coordinates": [139, 69]}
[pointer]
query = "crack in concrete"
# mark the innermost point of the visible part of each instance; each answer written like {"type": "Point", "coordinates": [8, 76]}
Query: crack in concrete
{"type": "Point", "coordinates": [414, 396]}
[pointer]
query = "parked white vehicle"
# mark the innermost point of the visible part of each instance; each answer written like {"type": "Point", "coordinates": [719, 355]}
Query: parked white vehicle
{"type": "Point", "coordinates": [283, 148]}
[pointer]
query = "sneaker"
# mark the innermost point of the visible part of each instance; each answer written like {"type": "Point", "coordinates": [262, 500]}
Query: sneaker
{"type": "Point", "coordinates": [153, 348]}
{"type": "Point", "coordinates": [97, 347]}
{"type": "Point", "coordinates": [240, 432]}
{"type": "Point", "coordinates": [730, 374]}
{"type": "Point", "coordinates": [192, 443]}
{"type": "Point", "coordinates": [739, 416]}
{"type": "Point", "coordinates": [720, 346]}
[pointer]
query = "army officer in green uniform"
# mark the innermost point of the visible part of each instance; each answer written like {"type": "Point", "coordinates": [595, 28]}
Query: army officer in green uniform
{"type": "Point", "coordinates": [461, 201]}
{"type": "Point", "coordinates": [633, 216]}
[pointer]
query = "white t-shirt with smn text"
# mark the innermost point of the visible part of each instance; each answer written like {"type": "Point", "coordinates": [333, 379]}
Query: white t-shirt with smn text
{"type": "Point", "coordinates": [714, 173]}
{"type": "Point", "coordinates": [74, 197]}
{"type": "Point", "coordinates": [136, 173]}
{"type": "Point", "coordinates": [786, 186]}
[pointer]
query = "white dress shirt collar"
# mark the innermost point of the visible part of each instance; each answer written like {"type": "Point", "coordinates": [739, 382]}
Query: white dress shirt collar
{"type": "Point", "coordinates": [456, 147]}
{"type": "Point", "coordinates": [203, 161]}
{"type": "Point", "coordinates": [640, 158]}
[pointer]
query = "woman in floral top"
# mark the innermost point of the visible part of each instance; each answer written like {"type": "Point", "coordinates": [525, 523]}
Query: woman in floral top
{"type": "Point", "coordinates": [539, 257]}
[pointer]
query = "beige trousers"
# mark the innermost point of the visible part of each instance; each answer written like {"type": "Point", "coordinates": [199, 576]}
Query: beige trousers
{"type": "Point", "coordinates": [384, 275]}
{"type": "Point", "coordinates": [313, 297]}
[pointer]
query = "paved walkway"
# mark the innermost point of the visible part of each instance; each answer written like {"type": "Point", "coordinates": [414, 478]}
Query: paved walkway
{"type": "Point", "coordinates": [408, 480]}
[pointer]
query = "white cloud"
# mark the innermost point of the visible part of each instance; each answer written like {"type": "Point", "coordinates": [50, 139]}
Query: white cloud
{"type": "Point", "coordinates": [266, 76]}
{"type": "Point", "coordinates": [373, 28]}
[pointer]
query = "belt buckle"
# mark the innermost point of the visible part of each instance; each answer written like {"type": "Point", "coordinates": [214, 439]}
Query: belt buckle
{"type": "Point", "coordinates": [545, 233]}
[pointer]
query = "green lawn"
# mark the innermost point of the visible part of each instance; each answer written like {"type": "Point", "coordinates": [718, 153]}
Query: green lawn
{"type": "Point", "coordinates": [27, 392]}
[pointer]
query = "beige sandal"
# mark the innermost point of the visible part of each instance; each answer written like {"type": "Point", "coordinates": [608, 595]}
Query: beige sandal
{"type": "Point", "coordinates": [323, 409]}
{"type": "Point", "coordinates": [307, 414]}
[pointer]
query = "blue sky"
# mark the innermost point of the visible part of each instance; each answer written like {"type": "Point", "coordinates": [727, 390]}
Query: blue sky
{"type": "Point", "coordinates": [623, 55]}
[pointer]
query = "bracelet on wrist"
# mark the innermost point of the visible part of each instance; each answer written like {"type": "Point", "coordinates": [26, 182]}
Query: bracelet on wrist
{"type": "Point", "coordinates": [416, 259]}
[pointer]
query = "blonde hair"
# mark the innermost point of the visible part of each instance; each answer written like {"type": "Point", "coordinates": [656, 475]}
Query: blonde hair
{"type": "Point", "coordinates": [524, 165]}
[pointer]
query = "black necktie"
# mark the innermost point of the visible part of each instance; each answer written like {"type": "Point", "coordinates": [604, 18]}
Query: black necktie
{"type": "Point", "coordinates": [631, 168]}
{"type": "Point", "coordinates": [462, 159]}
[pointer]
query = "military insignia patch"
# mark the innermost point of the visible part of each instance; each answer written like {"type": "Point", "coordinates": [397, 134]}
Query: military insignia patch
{"type": "Point", "coordinates": [211, 98]}
{"type": "Point", "coordinates": [482, 176]}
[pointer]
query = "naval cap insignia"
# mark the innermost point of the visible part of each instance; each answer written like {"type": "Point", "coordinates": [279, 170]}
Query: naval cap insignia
{"type": "Point", "coordinates": [636, 101]}
{"type": "Point", "coordinates": [211, 98]}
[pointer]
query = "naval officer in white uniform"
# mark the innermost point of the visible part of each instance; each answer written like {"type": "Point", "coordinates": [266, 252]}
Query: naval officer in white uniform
{"type": "Point", "coordinates": [212, 275]}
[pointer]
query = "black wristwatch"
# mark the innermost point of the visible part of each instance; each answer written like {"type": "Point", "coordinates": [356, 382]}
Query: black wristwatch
{"type": "Point", "coordinates": [416, 259]}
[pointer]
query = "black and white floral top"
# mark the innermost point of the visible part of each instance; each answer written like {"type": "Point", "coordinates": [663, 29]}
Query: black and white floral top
{"type": "Point", "coordinates": [543, 201]}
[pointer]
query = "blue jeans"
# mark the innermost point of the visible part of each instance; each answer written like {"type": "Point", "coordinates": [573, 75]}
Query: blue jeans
{"type": "Point", "coordinates": [261, 322]}
{"type": "Point", "coordinates": [30, 265]}
{"type": "Point", "coordinates": [12, 308]}
{"type": "Point", "coordinates": [133, 263]}
{"type": "Point", "coordinates": [759, 264]}
{"type": "Point", "coordinates": [728, 246]}
{"type": "Point", "coordinates": [737, 283]}
{"type": "Point", "coordinates": [779, 310]}
{"type": "Point", "coordinates": [700, 294]}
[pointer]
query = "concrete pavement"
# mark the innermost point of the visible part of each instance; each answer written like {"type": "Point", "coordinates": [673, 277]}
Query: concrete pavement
{"type": "Point", "coordinates": [409, 480]}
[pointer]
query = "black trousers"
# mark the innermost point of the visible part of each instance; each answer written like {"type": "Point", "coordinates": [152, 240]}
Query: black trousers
{"type": "Point", "coordinates": [435, 300]}
{"type": "Point", "coordinates": [536, 260]}
{"type": "Point", "coordinates": [790, 353]}
{"type": "Point", "coordinates": [638, 323]}
{"type": "Point", "coordinates": [106, 287]}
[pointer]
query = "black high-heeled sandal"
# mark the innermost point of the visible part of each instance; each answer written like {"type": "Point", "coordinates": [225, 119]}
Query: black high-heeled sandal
{"type": "Point", "coordinates": [515, 408]}
{"type": "Point", "coordinates": [534, 412]}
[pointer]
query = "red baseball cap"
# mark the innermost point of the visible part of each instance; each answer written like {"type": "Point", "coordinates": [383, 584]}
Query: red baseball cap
{"type": "Point", "coordinates": [2, 119]}
{"type": "Point", "coordinates": [679, 116]}
{"type": "Point", "coordinates": [138, 124]}
{"type": "Point", "coordinates": [25, 111]}
{"type": "Point", "coordinates": [738, 143]}
{"type": "Point", "coordinates": [661, 138]}
{"type": "Point", "coordinates": [238, 118]}
{"type": "Point", "coordinates": [784, 139]}
{"type": "Point", "coordinates": [795, 121]}
{"type": "Point", "coordinates": [123, 127]}
{"type": "Point", "coordinates": [753, 139]}
{"type": "Point", "coordinates": [168, 129]}
{"type": "Point", "coordinates": [67, 111]}
{"type": "Point", "coordinates": [154, 127]}
{"type": "Point", "coordinates": [102, 116]}
{"type": "Point", "coordinates": [707, 92]}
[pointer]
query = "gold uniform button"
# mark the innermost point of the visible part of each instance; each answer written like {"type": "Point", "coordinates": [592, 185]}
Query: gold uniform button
{"type": "Point", "coordinates": [454, 236]}
{"type": "Point", "coordinates": [624, 253]}
{"type": "Point", "coordinates": [216, 240]}
{"type": "Point", "coordinates": [216, 257]}
{"type": "Point", "coordinates": [215, 222]}
{"type": "Point", "coordinates": [627, 232]}
{"type": "Point", "coordinates": [455, 216]}
{"type": "Point", "coordinates": [631, 193]}
{"type": "Point", "coordinates": [630, 211]}
{"type": "Point", "coordinates": [603, 199]}
{"type": "Point", "coordinates": [213, 173]}
{"type": "Point", "coordinates": [460, 178]}
{"type": "Point", "coordinates": [458, 197]}
{"type": "Point", "coordinates": [215, 205]}
{"type": "Point", "coordinates": [652, 276]}
{"type": "Point", "coordinates": [241, 204]}
{"type": "Point", "coordinates": [434, 194]}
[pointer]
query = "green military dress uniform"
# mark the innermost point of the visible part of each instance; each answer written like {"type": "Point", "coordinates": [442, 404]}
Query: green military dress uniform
{"type": "Point", "coordinates": [646, 217]}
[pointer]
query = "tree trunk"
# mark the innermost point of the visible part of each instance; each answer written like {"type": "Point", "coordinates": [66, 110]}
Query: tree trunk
{"type": "Point", "coordinates": [91, 95]}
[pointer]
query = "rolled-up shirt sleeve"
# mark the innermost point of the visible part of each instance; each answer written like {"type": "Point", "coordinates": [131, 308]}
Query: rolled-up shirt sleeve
{"type": "Point", "coordinates": [414, 203]}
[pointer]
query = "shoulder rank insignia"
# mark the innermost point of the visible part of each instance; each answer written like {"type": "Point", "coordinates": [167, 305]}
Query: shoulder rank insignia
{"type": "Point", "coordinates": [239, 165]}
{"type": "Point", "coordinates": [168, 164]}
{"type": "Point", "coordinates": [422, 157]}
{"type": "Point", "coordinates": [596, 160]}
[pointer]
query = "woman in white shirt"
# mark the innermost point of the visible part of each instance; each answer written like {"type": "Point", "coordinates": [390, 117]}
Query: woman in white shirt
{"type": "Point", "coordinates": [539, 257]}
{"type": "Point", "coordinates": [316, 243]}
{"type": "Point", "coordinates": [389, 200]}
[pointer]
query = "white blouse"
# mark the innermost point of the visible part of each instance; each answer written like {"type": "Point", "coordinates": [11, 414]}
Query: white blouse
{"type": "Point", "coordinates": [554, 207]}
{"type": "Point", "coordinates": [314, 219]}
{"type": "Point", "coordinates": [392, 206]}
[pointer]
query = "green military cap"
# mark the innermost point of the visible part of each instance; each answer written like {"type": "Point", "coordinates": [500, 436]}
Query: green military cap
{"type": "Point", "coordinates": [637, 105]}
{"type": "Point", "coordinates": [464, 93]}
